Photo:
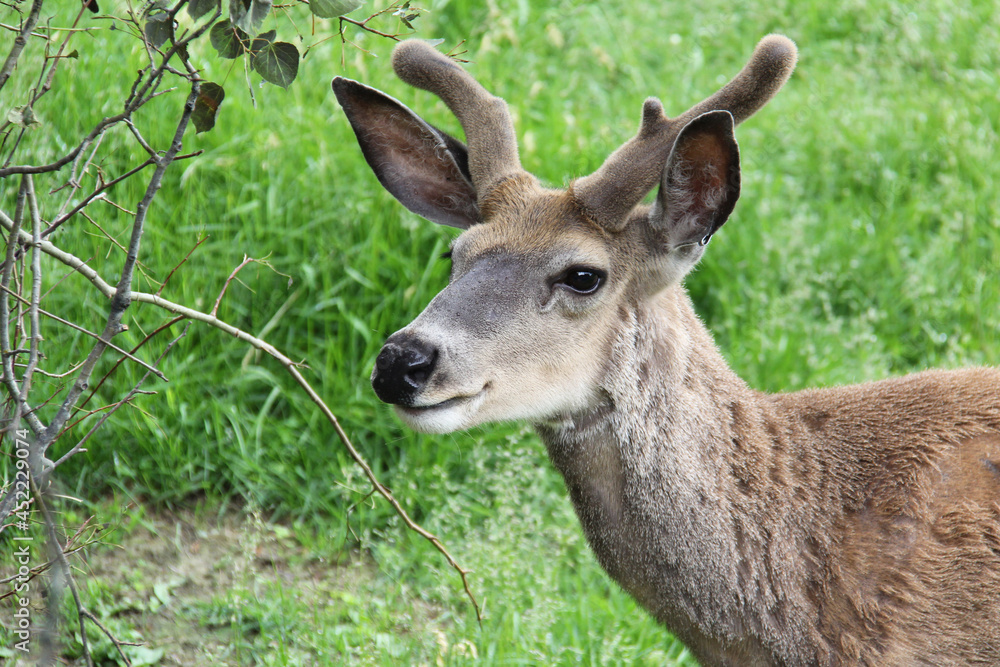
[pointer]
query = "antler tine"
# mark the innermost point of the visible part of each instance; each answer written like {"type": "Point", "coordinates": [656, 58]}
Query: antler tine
{"type": "Point", "coordinates": [629, 173]}
{"type": "Point", "coordinates": [633, 170]}
{"type": "Point", "coordinates": [489, 131]}
{"type": "Point", "coordinates": [767, 71]}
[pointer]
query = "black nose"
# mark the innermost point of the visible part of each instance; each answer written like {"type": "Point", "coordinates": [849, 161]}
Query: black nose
{"type": "Point", "coordinates": [402, 369]}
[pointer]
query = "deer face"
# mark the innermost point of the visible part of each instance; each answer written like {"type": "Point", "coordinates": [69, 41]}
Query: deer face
{"type": "Point", "coordinates": [516, 332]}
{"type": "Point", "coordinates": [540, 278]}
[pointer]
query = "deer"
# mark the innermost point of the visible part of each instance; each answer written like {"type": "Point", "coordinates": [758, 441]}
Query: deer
{"type": "Point", "coordinates": [855, 525]}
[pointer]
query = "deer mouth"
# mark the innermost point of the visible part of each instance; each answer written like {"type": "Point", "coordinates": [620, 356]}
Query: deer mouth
{"type": "Point", "coordinates": [443, 405]}
{"type": "Point", "coordinates": [444, 416]}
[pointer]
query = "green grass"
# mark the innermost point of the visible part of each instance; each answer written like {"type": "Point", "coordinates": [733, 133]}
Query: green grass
{"type": "Point", "coordinates": [866, 244]}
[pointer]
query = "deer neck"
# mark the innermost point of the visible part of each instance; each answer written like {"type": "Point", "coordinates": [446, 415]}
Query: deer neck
{"type": "Point", "coordinates": [655, 473]}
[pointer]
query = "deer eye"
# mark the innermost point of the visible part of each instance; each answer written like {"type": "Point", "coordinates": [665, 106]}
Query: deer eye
{"type": "Point", "coordinates": [582, 280]}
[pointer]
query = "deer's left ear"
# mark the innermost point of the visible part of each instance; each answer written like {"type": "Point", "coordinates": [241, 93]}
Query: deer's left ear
{"type": "Point", "coordinates": [700, 183]}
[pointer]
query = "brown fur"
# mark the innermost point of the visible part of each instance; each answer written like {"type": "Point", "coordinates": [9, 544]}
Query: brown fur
{"type": "Point", "coordinates": [846, 526]}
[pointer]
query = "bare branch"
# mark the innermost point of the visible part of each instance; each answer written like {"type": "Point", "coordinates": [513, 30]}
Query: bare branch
{"type": "Point", "coordinates": [120, 300]}
{"type": "Point", "coordinates": [55, 376]}
{"type": "Point", "coordinates": [6, 352]}
{"type": "Point", "coordinates": [82, 330]}
{"type": "Point", "coordinates": [36, 287]}
{"type": "Point", "coordinates": [19, 42]}
{"type": "Point", "coordinates": [140, 95]}
{"type": "Point", "coordinates": [58, 58]}
{"type": "Point", "coordinates": [47, 28]}
{"type": "Point", "coordinates": [135, 390]}
{"type": "Point", "coordinates": [69, 157]}
{"type": "Point", "coordinates": [87, 614]}
{"type": "Point", "coordinates": [292, 368]}
{"type": "Point", "coordinates": [146, 339]}
{"type": "Point", "coordinates": [146, 86]}
{"type": "Point", "coordinates": [115, 242]}
{"type": "Point", "coordinates": [66, 258]}
{"type": "Point", "coordinates": [102, 190]}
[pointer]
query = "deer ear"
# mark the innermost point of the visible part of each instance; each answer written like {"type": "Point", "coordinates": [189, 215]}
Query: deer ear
{"type": "Point", "coordinates": [700, 182]}
{"type": "Point", "coordinates": [424, 168]}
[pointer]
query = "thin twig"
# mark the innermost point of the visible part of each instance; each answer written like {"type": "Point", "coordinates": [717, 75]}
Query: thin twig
{"type": "Point", "coordinates": [66, 258]}
{"type": "Point", "coordinates": [85, 414]}
{"type": "Point", "coordinates": [69, 157]}
{"type": "Point", "coordinates": [135, 389]}
{"type": "Point", "coordinates": [94, 195]}
{"type": "Point", "coordinates": [86, 613]}
{"type": "Point", "coordinates": [56, 376]}
{"type": "Point", "coordinates": [58, 58]}
{"type": "Point", "coordinates": [118, 362]}
{"type": "Point", "coordinates": [16, 29]}
{"type": "Point", "coordinates": [358, 459]}
{"type": "Point", "coordinates": [73, 182]}
{"type": "Point", "coordinates": [180, 264]}
{"type": "Point", "coordinates": [142, 141]}
{"type": "Point", "coordinates": [89, 333]}
{"type": "Point", "coordinates": [364, 26]}
{"type": "Point", "coordinates": [225, 286]}
{"type": "Point", "coordinates": [115, 242]}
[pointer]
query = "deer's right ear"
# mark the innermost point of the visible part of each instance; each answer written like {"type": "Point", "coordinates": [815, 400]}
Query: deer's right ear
{"type": "Point", "coordinates": [426, 169]}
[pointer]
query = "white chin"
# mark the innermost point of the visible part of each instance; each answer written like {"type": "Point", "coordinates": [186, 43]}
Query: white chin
{"type": "Point", "coordinates": [444, 419]}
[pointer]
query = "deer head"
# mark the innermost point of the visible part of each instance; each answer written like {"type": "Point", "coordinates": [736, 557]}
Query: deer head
{"type": "Point", "coordinates": [540, 277]}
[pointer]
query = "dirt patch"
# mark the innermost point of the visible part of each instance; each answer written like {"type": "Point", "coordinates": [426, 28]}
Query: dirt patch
{"type": "Point", "coordinates": [185, 586]}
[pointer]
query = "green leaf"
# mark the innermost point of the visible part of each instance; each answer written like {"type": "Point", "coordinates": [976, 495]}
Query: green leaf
{"type": "Point", "coordinates": [158, 28]}
{"type": "Point", "coordinates": [328, 9]}
{"type": "Point", "coordinates": [277, 62]}
{"type": "Point", "coordinates": [207, 106]}
{"type": "Point", "coordinates": [228, 40]}
{"type": "Point", "coordinates": [198, 8]}
{"type": "Point", "coordinates": [249, 15]}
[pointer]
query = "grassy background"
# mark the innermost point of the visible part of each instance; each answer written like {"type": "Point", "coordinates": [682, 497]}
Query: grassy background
{"type": "Point", "coordinates": [866, 244]}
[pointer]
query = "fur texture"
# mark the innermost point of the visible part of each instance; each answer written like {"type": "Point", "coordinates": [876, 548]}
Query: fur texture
{"type": "Point", "coordinates": [848, 526]}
